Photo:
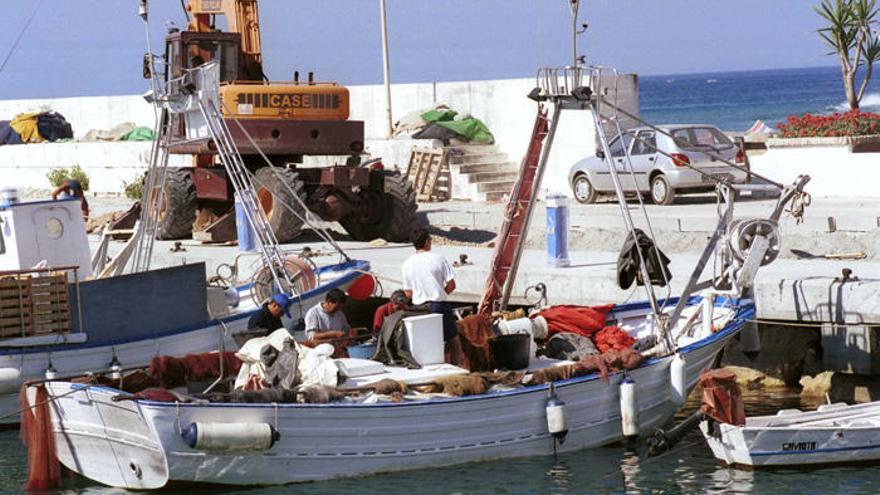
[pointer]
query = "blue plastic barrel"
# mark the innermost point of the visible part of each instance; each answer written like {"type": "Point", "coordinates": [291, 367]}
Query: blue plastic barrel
{"type": "Point", "coordinates": [557, 231]}
{"type": "Point", "coordinates": [244, 229]}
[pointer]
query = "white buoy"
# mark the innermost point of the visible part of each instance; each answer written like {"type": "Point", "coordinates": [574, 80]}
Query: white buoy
{"type": "Point", "coordinates": [629, 408]}
{"type": "Point", "coordinates": [677, 379]}
{"type": "Point", "coordinates": [50, 372]}
{"type": "Point", "coordinates": [557, 423]}
{"type": "Point", "coordinates": [230, 437]}
{"type": "Point", "coordinates": [115, 369]}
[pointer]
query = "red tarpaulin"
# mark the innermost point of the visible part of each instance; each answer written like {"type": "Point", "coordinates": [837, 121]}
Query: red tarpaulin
{"type": "Point", "coordinates": [582, 320]}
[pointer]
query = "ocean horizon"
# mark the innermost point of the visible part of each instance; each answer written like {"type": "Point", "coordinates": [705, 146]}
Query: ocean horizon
{"type": "Point", "coordinates": [733, 101]}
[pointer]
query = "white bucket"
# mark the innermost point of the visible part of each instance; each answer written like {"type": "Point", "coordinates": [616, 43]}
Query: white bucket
{"type": "Point", "coordinates": [424, 337]}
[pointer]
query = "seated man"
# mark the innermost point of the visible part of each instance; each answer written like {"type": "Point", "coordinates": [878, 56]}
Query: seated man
{"type": "Point", "coordinates": [397, 302]}
{"type": "Point", "coordinates": [268, 318]}
{"type": "Point", "coordinates": [71, 188]}
{"type": "Point", "coordinates": [326, 322]}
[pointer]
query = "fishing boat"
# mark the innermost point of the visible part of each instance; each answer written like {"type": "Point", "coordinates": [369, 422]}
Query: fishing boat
{"type": "Point", "coordinates": [832, 434]}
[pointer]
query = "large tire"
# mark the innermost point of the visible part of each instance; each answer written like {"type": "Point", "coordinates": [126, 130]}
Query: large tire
{"type": "Point", "coordinates": [178, 211]}
{"type": "Point", "coordinates": [398, 219]}
{"type": "Point", "coordinates": [286, 224]}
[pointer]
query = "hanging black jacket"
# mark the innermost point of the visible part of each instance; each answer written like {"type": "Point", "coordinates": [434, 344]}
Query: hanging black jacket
{"type": "Point", "coordinates": [628, 262]}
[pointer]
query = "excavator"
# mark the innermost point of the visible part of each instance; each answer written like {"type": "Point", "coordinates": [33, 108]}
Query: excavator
{"type": "Point", "coordinates": [283, 121]}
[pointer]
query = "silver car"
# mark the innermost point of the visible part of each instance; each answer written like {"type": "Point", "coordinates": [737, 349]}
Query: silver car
{"type": "Point", "coordinates": [662, 174]}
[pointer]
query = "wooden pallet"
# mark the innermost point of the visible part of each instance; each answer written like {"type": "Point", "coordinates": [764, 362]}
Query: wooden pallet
{"type": "Point", "coordinates": [428, 170]}
{"type": "Point", "coordinates": [34, 305]}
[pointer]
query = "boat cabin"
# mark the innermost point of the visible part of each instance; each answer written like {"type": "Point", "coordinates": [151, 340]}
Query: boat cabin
{"type": "Point", "coordinates": [44, 232]}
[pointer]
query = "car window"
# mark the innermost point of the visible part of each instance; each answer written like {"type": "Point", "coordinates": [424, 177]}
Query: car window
{"type": "Point", "coordinates": [701, 138]}
{"type": "Point", "coordinates": [616, 146]}
{"type": "Point", "coordinates": [646, 144]}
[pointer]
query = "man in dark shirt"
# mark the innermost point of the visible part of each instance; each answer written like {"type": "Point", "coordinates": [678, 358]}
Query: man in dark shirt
{"type": "Point", "coordinates": [269, 316]}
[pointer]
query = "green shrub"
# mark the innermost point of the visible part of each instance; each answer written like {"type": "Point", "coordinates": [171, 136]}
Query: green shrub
{"type": "Point", "coordinates": [58, 175]}
{"type": "Point", "coordinates": [134, 190]}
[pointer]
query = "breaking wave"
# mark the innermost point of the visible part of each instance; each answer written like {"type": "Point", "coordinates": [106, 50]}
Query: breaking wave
{"type": "Point", "coordinates": [870, 103]}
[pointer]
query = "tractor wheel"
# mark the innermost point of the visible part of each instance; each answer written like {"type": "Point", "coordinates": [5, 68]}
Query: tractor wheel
{"type": "Point", "coordinates": [273, 197]}
{"type": "Point", "coordinates": [178, 210]}
{"type": "Point", "coordinates": [397, 207]}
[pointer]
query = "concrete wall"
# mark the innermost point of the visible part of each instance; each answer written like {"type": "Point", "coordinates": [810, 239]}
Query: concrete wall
{"type": "Point", "coordinates": [835, 170]}
{"type": "Point", "coordinates": [501, 104]}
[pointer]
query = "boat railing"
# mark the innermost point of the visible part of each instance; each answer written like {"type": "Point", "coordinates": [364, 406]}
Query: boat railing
{"type": "Point", "coordinates": [36, 302]}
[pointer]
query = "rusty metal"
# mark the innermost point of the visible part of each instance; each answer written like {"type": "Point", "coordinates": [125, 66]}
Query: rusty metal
{"type": "Point", "coordinates": [211, 183]}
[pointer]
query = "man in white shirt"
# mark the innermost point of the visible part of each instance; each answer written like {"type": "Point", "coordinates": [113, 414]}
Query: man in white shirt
{"type": "Point", "coordinates": [428, 279]}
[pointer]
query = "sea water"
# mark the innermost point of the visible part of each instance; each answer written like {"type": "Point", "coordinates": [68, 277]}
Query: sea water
{"type": "Point", "coordinates": [734, 100]}
{"type": "Point", "coordinates": [689, 468]}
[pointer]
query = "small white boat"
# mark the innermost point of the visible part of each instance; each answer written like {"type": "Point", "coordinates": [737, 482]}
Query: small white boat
{"type": "Point", "coordinates": [832, 434]}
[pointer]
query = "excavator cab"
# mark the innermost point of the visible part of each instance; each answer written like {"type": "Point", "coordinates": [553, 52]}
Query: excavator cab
{"type": "Point", "coordinates": [188, 50]}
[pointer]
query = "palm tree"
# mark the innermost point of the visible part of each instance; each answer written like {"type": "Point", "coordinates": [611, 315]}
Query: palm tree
{"type": "Point", "coordinates": [850, 32]}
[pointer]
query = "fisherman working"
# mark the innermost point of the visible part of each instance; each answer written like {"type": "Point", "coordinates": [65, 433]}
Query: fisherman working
{"type": "Point", "coordinates": [326, 322]}
{"type": "Point", "coordinates": [71, 188]}
{"type": "Point", "coordinates": [268, 317]}
{"type": "Point", "coordinates": [397, 302]}
{"type": "Point", "coordinates": [428, 279]}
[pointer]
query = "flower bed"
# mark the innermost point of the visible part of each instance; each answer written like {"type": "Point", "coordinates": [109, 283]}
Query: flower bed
{"type": "Point", "coordinates": [852, 123]}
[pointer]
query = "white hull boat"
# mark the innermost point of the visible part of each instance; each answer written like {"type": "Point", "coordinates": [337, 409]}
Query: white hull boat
{"type": "Point", "coordinates": [832, 434]}
{"type": "Point", "coordinates": [139, 443]}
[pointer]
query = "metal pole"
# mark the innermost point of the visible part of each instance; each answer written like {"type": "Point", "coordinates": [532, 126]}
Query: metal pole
{"type": "Point", "coordinates": [386, 67]}
{"type": "Point", "coordinates": [575, 4]}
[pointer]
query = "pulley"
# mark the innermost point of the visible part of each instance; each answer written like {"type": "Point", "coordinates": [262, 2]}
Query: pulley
{"type": "Point", "coordinates": [743, 233]}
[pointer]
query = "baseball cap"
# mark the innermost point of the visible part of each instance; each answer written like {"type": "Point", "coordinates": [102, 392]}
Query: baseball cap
{"type": "Point", "coordinates": [283, 301]}
{"type": "Point", "coordinates": [74, 184]}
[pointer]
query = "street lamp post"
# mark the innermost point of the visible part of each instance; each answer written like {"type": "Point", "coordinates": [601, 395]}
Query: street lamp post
{"type": "Point", "coordinates": [386, 68]}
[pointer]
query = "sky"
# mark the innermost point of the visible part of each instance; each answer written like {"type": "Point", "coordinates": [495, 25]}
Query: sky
{"type": "Point", "coordinates": [95, 47]}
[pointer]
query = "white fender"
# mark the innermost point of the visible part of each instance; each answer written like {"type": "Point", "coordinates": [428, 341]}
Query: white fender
{"type": "Point", "coordinates": [678, 379]}
{"type": "Point", "coordinates": [629, 408]}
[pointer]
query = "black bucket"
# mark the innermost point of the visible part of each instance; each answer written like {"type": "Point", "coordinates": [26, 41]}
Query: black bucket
{"type": "Point", "coordinates": [511, 352]}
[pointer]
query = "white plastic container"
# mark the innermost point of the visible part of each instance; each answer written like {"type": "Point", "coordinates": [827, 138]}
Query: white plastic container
{"type": "Point", "coordinates": [424, 338]}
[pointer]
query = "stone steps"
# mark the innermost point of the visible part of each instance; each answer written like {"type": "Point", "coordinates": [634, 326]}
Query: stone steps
{"type": "Point", "coordinates": [481, 173]}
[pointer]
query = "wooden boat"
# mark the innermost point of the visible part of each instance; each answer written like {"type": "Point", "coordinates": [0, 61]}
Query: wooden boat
{"type": "Point", "coordinates": [832, 434]}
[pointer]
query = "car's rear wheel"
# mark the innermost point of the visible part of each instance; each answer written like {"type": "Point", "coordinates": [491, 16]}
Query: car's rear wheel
{"type": "Point", "coordinates": [662, 193]}
{"type": "Point", "coordinates": [583, 190]}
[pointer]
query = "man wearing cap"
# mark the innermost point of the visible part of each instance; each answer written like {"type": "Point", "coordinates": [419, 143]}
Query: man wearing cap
{"type": "Point", "coordinates": [326, 321]}
{"type": "Point", "coordinates": [268, 317]}
{"type": "Point", "coordinates": [71, 188]}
